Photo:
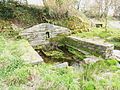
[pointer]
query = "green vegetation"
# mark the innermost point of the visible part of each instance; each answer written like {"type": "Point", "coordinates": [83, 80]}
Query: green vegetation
{"type": "Point", "coordinates": [111, 35]}
{"type": "Point", "coordinates": [10, 62]}
{"type": "Point", "coordinates": [26, 16]}
{"type": "Point", "coordinates": [15, 74]}
{"type": "Point", "coordinates": [78, 54]}
{"type": "Point", "coordinates": [55, 54]}
{"type": "Point", "coordinates": [22, 15]}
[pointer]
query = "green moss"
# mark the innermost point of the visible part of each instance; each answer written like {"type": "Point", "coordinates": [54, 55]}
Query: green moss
{"type": "Point", "coordinates": [78, 54]}
{"type": "Point", "coordinates": [54, 54]}
{"type": "Point", "coordinates": [39, 47]}
{"type": "Point", "coordinates": [15, 87]}
{"type": "Point", "coordinates": [111, 62]}
{"type": "Point", "coordinates": [59, 39]}
{"type": "Point", "coordinates": [75, 44]}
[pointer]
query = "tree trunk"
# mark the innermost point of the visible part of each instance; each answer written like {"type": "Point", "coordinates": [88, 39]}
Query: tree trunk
{"type": "Point", "coordinates": [78, 7]}
{"type": "Point", "coordinates": [26, 2]}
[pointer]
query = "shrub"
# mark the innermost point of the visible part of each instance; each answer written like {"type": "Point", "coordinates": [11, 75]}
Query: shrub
{"type": "Point", "coordinates": [62, 13]}
{"type": "Point", "coordinates": [22, 14]}
{"type": "Point", "coordinates": [58, 8]}
{"type": "Point", "coordinates": [77, 25]}
{"type": "Point", "coordinates": [6, 11]}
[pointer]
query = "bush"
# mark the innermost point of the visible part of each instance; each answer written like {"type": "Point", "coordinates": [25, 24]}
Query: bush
{"type": "Point", "coordinates": [61, 13]}
{"type": "Point", "coordinates": [6, 12]}
{"type": "Point", "coordinates": [77, 25]}
{"type": "Point", "coordinates": [22, 14]}
{"type": "Point", "coordinates": [58, 8]}
{"type": "Point", "coordinates": [7, 30]}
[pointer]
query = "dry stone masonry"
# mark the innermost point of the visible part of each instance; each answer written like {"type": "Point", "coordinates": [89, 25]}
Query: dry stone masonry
{"type": "Point", "coordinates": [40, 34]}
{"type": "Point", "coordinates": [94, 46]}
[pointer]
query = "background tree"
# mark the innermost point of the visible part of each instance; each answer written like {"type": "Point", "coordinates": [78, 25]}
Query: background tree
{"type": "Point", "coordinates": [107, 4]}
{"type": "Point", "coordinates": [58, 8]}
{"type": "Point", "coordinates": [78, 6]}
{"type": "Point", "coordinates": [116, 7]}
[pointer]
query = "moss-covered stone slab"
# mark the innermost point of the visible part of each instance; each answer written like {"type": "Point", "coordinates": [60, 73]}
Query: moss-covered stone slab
{"type": "Point", "coordinates": [29, 54]}
{"type": "Point", "coordinates": [94, 46]}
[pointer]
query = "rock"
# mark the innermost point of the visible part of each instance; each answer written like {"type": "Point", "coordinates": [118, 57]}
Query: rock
{"type": "Point", "coordinates": [40, 34]}
{"type": "Point", "coordinates": [118, 65]}
{"type": "Point", "coordinates": [30, 56]}
{"type": "Point", "coordinates": [78, 67]}
{"type": "Point", "coordinates": [91, 59]}
{"type": "Point", "coordinates": [35, 62]}
{"type": "Point", "coordinates": [116, 54]}
{"type": "Point", "coordinates": [62, 65]}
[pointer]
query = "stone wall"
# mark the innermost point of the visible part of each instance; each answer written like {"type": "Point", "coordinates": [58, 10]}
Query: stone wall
{"type": "Point", "coordinates": [40, 34]}
{"type": "Point", "coordinates": [94, 46]}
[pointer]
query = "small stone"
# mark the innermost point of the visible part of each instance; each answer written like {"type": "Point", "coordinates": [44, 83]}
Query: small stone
{"type": "Point", "coordinates": [35, 62]}
{"type": "Point", "coordinates": [91, 59]}
{"type": "Point", "coordinates": [118, 65]}
{"type": "Point", "coordinates": [116, 54]}
{"type": "Point", "coordinates": [78, 67]}
{"type": "Point", "coordinates": [62, 65]}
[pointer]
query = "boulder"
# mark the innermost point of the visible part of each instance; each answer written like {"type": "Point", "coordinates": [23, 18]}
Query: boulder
{"type": "Point", "coordinates": [78, 67]}
{"type": "Point", "coordinates": [116, 54]}
{"type": "Point", "coordinates": [91, 59]}
{"type": "Point", "coordinates": [62, 65]}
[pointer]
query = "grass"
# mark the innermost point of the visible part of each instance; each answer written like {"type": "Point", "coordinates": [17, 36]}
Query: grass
{"type": "Point", "coordinates": [111, 35]}
{"type": "Point", "coordinates": [15, 73]}
{"type": "Point", "coordinates": [92, 78]}
{"type": "Point", "coordinates": [10, 60]}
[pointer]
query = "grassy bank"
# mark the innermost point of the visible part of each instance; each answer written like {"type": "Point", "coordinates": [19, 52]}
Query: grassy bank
{"type": "Point", "coordinates": [15, 74]}
{"type": "Point", "coordinates": [111, 35]}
